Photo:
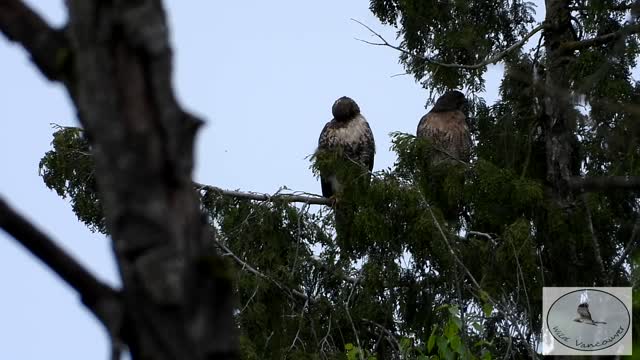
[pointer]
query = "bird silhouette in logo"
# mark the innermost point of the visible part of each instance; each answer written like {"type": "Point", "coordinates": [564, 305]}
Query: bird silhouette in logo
{"type": "Point", "coordinates": [584, 316]}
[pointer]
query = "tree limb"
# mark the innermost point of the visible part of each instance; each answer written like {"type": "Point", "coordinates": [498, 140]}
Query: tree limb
{"type": "Point", "coordinates": [595, 244]}
{"type": "Point", "coordinates": [47, 46]}
{"type": "Point", "coordinates": [610, 8]}
{"type": "Point", "coordinates": [492, 60]}
{"type": "Point", "coordinates": [311, 199]}
{"type": "Point", "coordinates": [600, 183]}
{"type": "Point", "coordinates": [251, 269]}
{"type": "Point", "coordinates": [100, 298]}
{"type": "Point", "coordinates": [631, 245]}
{"type": "Point", "coordinates": [600, 40]}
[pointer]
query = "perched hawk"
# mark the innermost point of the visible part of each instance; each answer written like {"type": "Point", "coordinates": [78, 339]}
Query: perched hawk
{"type": "Point", "coordinates": [447, 129]}
{"type": "Point", "coordinates": [345, 160]}
{"type": "Point", "coordinates": [349, 134]}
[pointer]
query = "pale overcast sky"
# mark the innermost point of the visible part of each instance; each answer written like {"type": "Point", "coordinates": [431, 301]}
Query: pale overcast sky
{"type": "Point", "coordinates": [263, 74]}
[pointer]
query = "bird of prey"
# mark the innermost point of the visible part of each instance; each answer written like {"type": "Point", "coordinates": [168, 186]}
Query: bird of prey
{"type": "Point", "coordinates": [349, 136]}
{"type": "Point", "coordinates": [446, 129]}
{"type": "Point", "coordinates": [344, 159]}
{"type": "Point", "coordinates": [584, 315]}
{"type": "Point", "coordinates": [445, 125]}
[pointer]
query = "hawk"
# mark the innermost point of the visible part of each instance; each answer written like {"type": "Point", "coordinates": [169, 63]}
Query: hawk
{"type": "Point", "coordinates": [348, 134]}
{"type": "Point", "coordinates": [447, 129]}
{"type": "Point", "coordinates": [584, 315]}
{"type": "Point", "coordinates": [344, 159]}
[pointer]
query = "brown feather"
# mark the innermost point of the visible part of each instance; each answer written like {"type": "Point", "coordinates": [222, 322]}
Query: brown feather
{"type": "Point", "coordinates": [355, 139]}
{"type": "Point", "coordinates": [448, 131]}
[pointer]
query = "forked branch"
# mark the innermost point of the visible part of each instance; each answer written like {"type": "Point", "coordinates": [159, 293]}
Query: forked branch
{"type": "Point", "coordinates": [47, 46]}
{"type": "Point", "coordinates": [491, 60]}
{"type": "Point", "coordinates": [100, 298]}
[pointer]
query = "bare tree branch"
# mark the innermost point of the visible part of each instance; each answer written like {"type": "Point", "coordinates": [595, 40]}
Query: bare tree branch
{"type": "Point", "coordinates": [100, 298]}
{"type": "Point", "coordinates": [71, 271]}
{"type": "Point", "coordinates": [474, 282]}
{"type": "Point", "coordinates": [492, 60]}
{"type": "Point", "coordinates": [631, 245]}
{"type": "Point", "coordinates": [600, 183]}
{"type": "Point", "coordinates": [600, 40]}
{"type": "Point", "coordinates": [251, 269]}
{"type": "Point", "coordinates": [388, 333]}
{"type": "Point", "coordinates": [610, 8]}
{"type": "Point", "coordinates": [311, 199]}
{"type": "Point", "coordinates": [595, 244]}
{"type": "Point", "coordinates": [47, 46]}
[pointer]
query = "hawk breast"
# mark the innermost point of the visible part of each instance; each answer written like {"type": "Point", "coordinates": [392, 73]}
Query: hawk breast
{"type": "Point", "coordinates": [448, 131]}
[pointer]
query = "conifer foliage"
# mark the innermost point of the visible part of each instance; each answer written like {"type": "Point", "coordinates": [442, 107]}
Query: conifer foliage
{"type": "Point", "coordinates": [550, 197]}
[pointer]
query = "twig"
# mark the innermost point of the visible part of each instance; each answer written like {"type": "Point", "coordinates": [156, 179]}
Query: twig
{"type": "Point", "coordinates": [324, 341]}
{"type": "Point", "coordinates": [297, 337]}
{"type": "Point", "coordinates": [520, 275]}
{"type": "Point", "coordinates": [386, 331]}
{"type": "Point", "coordinates": [249, 301]}
{"type": "Point", "coordinates": [475, 283]}
{"type": "Point", "coordinates": [594, 242]}
{"type": "Point", "coordinates": [480, 234]}
{"type": "Point", "coordinates": [631, 245]}
{"type": "Point", "coordinates": [492, 60]}
{"type": "Point", "coordinates": [253, 270]}
{"type": "Point", "coordinates": [355, 333]}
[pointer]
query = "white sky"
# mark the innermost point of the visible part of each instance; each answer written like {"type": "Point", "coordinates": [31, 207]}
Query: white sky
{"type": "Point", "coordinates": [262, 74]}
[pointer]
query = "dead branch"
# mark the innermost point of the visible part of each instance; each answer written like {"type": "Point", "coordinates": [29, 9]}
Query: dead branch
{"type": "Point", "coordinates": [251, 269]}
{"type": "Point", "coordinates": [600, 40]}
{"type": "Point", "coordinates": [491, 60]}
{"type": "Point", "coordinates": [595, 244]}
{"type": "Point", "coordinates": [631, 245]}
{"type": "Point", "coordinates": [600, 183]}
{"type": "Point", "coordinates": [388, 333]}
{"type": "Point", "coordinates": [610, 8]}
{"type": "Point", "coordinates": [47, 46]}
{"type": "Point", "coordinates": [474, 282]}
{"type": "Point", "coordinates": [99, 297]}
{"type": "Point", "coordinates": [310, 199]}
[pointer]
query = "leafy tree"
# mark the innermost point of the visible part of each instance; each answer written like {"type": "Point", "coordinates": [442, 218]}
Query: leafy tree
{"type": "Point", "coordinates": [549, 199]}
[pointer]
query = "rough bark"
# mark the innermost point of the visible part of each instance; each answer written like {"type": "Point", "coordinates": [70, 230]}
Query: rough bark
{"type": "Point", "coordinates": [117, 68]}
{"type": "Point", "coordinates": [559, 129]}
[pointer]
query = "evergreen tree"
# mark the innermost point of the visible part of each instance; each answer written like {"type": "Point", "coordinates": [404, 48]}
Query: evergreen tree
{"type": "Point", "coordinates": [550, 197]}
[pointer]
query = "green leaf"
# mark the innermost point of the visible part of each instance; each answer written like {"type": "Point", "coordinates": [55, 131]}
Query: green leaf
{"type": "Point", "coordinates": [456, 344]}
{"type": "Point", "coordinates": [487, 309]}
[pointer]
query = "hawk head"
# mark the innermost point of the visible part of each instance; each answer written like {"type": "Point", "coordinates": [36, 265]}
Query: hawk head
{"type": "Point", "coordinates": [345, 109]}
{"type": "Point", "coordinates": [450, 101]}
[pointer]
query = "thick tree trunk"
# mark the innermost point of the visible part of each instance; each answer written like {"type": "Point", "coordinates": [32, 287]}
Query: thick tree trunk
{"type": "Point", "coordinates": [177, 295]}
{"type": "Point", "coordinates": [115, 60]}
{"type": "Point", "coordinates": [560, 143]}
